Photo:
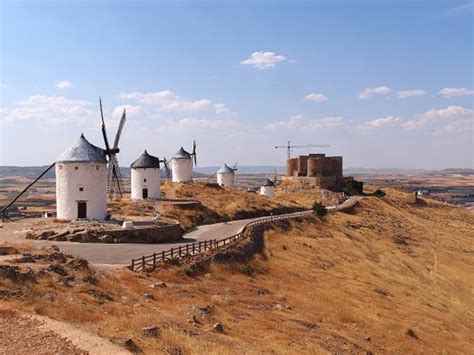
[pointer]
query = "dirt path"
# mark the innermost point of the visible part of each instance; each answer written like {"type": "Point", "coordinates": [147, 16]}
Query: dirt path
{"type": "Point", "coordinates": [25, 334]}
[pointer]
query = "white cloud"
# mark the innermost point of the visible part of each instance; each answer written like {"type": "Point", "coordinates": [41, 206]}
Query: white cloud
{"type": "Point", "coordinates": [65, 84]}
{"type": "Point", "coordinates": [132, 111]}
{"type": "Point", "coordinates": [3, 85]}
{"type": "Point", "coordinates": [384, 121]}
{"type": "Point", "coordinates": [369, 92]}
{"type": "Point", "coordinates": [403, 94]}
{"type": "Point", "coordinates": [299, 122]}
{"type": "Point", "coordinates": [449, 119]}
{"type": "Point", "coordinates": [449, 92]}
{"type": "Point", "coordinates": [263, 60]}
{"type": "Point", "coordinates": [317, 97]}
{"type": "Point", "coordinates": [49, 109]}
{"type": "Point", "coordinates": [166, 100]}
{"type": "Point", "coordinates": [193, 122]}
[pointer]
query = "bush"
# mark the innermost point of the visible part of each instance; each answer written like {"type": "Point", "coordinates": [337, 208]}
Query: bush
{"type": "Point", "coordinates": [174, 261]}
{"type": "Point", "coordinates": [319, 209]}
{"type": "Point", "coordinates": [379, 193]}
{"type": "Point", "coordinates": [185, 270]}
{"type": "Point", "coordinates": [245, 269]}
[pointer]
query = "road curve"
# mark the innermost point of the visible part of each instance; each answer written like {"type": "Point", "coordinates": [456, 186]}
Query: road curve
{"type": "Point", "coordinates": [121, 254]}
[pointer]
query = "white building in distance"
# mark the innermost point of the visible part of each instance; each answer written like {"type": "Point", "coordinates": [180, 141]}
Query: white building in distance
{"type": "Point", "coordinates": [145, 178]}
{"type": "Point", "coordinates": [267, 188]}
{"type": "Point", "coordinates": [81, 182]}
{"type": "Point", "coordinates": [182, 166]}
{"type": "Point", "coordinates": [226, 176]}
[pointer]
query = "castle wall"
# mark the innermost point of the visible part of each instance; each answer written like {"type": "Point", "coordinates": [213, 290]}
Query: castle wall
{"type": "Point", "coordinates": [81, 182]}
{"type": "Point", "coordinates": [303, 165]}
{"type": "Point", "coordinates": [292, 167]}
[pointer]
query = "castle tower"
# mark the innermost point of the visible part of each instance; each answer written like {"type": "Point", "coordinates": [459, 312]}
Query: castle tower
{"type": "Point", "coordinates": [145, 178]}
{"type": "Point", "coordinates": [182, 166]}
{"type": "Point", "coordinates": [225, 176]}
{"type": "Point", "coordinates": [81, 182]}
{"type": "Point", "coordinates": [268, 188]}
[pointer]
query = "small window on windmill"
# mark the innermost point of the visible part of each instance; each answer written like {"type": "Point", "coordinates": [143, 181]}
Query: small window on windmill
{"type": "Point", "coordinates": [144, 180]}
{"type": "Point", "coordinates": [76, 168]}
{"type": "Point", "coordinates": [60, 166]}
{"type": "Point", "coordinates": [96, 167]}
{"type": "Point", "coordinates": [81, 188]}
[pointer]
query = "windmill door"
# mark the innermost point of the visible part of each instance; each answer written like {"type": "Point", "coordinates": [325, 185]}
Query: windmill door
{"type": "Point", "coordinates": [145, 193]}
{"type": "Point", "coordinates": [81, 209]}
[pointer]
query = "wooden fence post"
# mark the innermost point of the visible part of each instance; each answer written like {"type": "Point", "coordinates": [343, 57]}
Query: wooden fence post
{"type": "Point", "coordinates": [187, 249]}
{"type": "Point", "coordinates": [143, 263]}
{"type": "Point", "coordinates": [133, 264]}
{"type": "Point", "coordinates": [154, 260]}
{"type": "Point", "coordinates": [194, 248]}
{"type": "Point", "coordinates": [171, 253]}
{"type": "Point", "coordinates": [163, 256]}
{"type": "Point", "coordinates": [179, 251]}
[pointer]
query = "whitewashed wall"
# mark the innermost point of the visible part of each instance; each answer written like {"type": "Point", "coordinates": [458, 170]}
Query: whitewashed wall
{"type": "Point", "coordinates": [267, 191]}
{"type": "Point", "coordinates": [225, 179]}
{"type": "Point", "coordinates": [92, 177]}
{"type": "Point", "coordinates": [152, 183]}
{"type": "Point", "coordinates": [182, 170]}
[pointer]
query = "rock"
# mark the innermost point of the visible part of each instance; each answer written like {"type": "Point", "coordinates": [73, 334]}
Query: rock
{"type": "Point", "coordinates": [6, 250]}
{"type": "Point", "coordinates": [151, 332]}
{"type": "Point", "coordinates": [91, 279]}
{"type": "Point", "coordinates": [173, 350]}
{"type": "Point", "coordinates": [78, 264]}
{"type": "Point", "coordinates": [99, 295]}
{"type": "Point", "coordinates": [58, 269]}
{"type": "Point", "coordinates": [149, 297]}
{"type": "Point", "coordinates": [14, 273]}
{"type": "Point", "coordinates": [218, 328]}
{"type": "Point", "coordinates": [127, 225]}
{"type": "Point", "coordinates": [26, 258]}
{"type": "Point", "coordinates": [107, 238]}
{"type": "Point", "coordinates": [67, 281]}
{"type": "Point", "coordinates": [4, 293]}
{"type": "Point", "coordinates": [278, 306]}
{"type": "Point", "coordinates": [204, 309]}
{"type": "Point", "coordinates": [207, 276]}
{"type": "Point", "coordinates": [49, 297]}
{"type": "Point", "coordinates": [192, 319]}
{"type": "Point", "coordinates": [130, 345]}
{"type": "Point", "coordinates": [158, 285]}
{"type": "Point", "coordinates": [57, 256]}
{"type": "Point", "coordinates": [45, 235]}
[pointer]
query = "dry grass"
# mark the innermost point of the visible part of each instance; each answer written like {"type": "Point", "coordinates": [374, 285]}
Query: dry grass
{"type": "Point", "coordinates": [389, 278]}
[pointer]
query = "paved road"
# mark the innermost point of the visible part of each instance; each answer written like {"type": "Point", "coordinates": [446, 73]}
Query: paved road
{"type": "Point", "coordinates": [122, 254]}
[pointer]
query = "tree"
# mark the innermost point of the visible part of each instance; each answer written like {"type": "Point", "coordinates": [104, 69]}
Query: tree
{"type": "Point", "coordinates": [379, 193]}
{"type": "Point", "coordinates": [319, 209]}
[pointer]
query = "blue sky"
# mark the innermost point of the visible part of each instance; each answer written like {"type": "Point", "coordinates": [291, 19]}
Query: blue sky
{"type": "Point", "coordinates": [386, 83]}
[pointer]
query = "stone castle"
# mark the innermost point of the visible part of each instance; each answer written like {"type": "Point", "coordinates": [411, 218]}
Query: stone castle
{"type": "Point", "coordinates": [318, 169]}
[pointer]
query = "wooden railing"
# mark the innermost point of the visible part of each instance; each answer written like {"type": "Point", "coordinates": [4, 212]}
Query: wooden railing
{"type": "Point", "coordinates": [150, 262]}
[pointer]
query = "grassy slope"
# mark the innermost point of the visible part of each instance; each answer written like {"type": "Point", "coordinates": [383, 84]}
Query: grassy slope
{"type": "Point", "coordinates": [352, 282]}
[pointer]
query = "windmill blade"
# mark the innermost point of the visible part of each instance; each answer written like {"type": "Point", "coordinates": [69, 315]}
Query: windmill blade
{"type": "Point", "coordinates": [194, 153]}
{"type": "Point", "coordinates": [104, 132]}
{"type": "Point", "coordinates": [117, 177]}
{"type": "Point", "coordinates": [120, 127]}
{"type": "Point", "coordinates": [167, 168]}
{"type": "Point", "coordinates": [235, 166]}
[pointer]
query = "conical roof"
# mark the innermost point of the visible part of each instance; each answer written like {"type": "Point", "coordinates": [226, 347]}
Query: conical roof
{"type": "Point", "coordinates": [182, 154]}
{"type": "Point", "coordinates": [225, 170]}
{"type": "Point", "coordinates": [83, 152]}
{"type": "Point", "coordinates": [268, 182]}
{"type": "Point", "coordinates": [146, 161]}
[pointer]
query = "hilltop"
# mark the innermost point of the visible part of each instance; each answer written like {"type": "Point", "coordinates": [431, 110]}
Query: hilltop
{"type": "Point", "coordinates": [390, 276]}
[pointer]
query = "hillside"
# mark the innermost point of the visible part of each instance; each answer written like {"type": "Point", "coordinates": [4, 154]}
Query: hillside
{"type": "Point", "coordinates": [391, 277]}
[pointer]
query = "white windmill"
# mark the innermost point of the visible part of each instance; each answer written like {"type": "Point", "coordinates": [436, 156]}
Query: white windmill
{"type": "Point", "coordinates": [81, 182]}
{"type": "Point", "coordinates": [226, 175]}
{"type": "Point", "coordinates": [267, 188]}
{"type": "Point", "coordinates": [182, 165]}
{"type": "Point", "coordinates": [145, 177]}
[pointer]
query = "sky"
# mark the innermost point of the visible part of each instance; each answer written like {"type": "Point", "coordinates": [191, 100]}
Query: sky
{"type": "Point", "coordinates": [384, 83]}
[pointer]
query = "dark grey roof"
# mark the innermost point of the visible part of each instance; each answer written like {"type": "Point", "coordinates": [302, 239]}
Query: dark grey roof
{"type": "Point", "coordinates": [146, 161]}
{"type": "Point", "coordinates": [225, 169]}
{"type": "Point", "coordinates": [268, 182]}
{"type": "Point", "coordinates": [83, 151]}
{"type": "Point", "coordinates": [182, 154]}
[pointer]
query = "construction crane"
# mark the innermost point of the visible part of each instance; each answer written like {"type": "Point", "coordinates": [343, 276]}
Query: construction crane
{"type": "Point", "coordinates": [289, 147]}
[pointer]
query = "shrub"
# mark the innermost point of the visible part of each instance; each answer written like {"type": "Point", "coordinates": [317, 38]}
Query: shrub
{"type": "Point", "coordinates": [174, 261]}
{"type": "Point", "coordinates": [185, 270]}
{"type": "Point", "coordinates": [319, 209]}
{"type": "Point", "coordinates": [245, 269]}
{"type": "Point", "coordinates": [379, 193]}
